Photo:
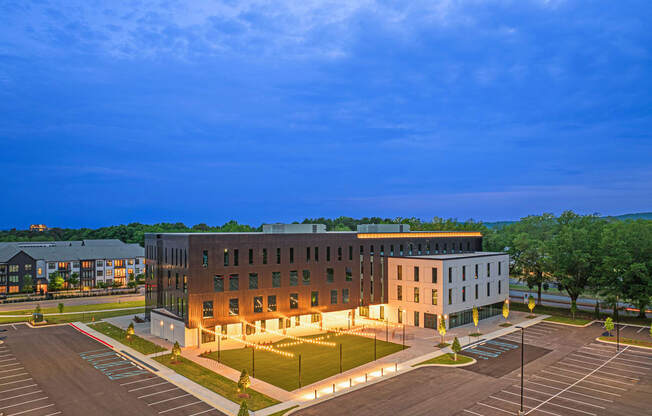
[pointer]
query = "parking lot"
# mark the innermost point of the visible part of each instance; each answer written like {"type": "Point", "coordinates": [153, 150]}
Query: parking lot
{"type": "Point", "coordinates": [60, 370]}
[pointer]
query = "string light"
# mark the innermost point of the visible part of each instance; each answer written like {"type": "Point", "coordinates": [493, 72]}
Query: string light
{"type": "Point", "coordinates": [301, 340]}
{"type": "Point", "coordinates": [254, 345]}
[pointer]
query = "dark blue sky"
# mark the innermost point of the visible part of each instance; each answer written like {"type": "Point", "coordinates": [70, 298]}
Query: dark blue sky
{"type": "Point", "coordinates": [259, 111]}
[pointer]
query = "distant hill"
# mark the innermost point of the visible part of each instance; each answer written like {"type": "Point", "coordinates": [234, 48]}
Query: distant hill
{"type": "Point", "coordinates": [636, 216]}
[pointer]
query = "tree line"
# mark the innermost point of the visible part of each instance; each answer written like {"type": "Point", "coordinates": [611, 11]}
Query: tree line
{"type": "Point", "coordinates": [580, 253]}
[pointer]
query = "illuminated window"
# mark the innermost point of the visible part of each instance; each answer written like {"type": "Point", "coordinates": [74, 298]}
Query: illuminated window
{"type": "Point", "coordinates": [109, 262]}
{"type": "Point", "coordinates": [119, 273]}
{"type": "Point", "coordinates": [130, 272]}
{"type": "Point", "coordinates": [294, 301]}
{"type": "Point", "coordinates": [416, 295]}
{"type": "Point", "coordinates": [119, 263]}
{"type": "Point", "coordinates": [234, 307]}
{"type": "Point", "coordinates": [109, 272]}
{"type": "Point", "coordinates": [28, 267]}
{"type": "Point", "coordinates": [226, 257]}
{"type": "Point", "coordinates": [13, 268]}
{"type": "Point", "coordinates": [434, 296]}
{"type": "Point", "coordinates": [218, 283]}
{"type": "Point", "coordinates": [399, 272]}
{"type": "Point", "coordinates": [271, 303]}
{"type": "Point", "coordinates": [40, 271]}
{"type": "Point", "coordinates": [130, 262]}
{"type": "Point", "coordinates": [314, 299]}
{"type": "Point", "coordinates": [207, 309]}
{"type": "Point", "coordinates": [62, 265]}
{"type": "Point", "coordinates": [399, 292]}
{"type": "Point", "coordinates": [258, 304]}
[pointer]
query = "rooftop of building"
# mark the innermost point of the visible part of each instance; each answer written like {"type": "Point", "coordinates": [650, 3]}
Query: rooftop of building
{"type": "Point", "coordinates": [455, 256]}
{"type": "Point", "coordinates": [71, 250]}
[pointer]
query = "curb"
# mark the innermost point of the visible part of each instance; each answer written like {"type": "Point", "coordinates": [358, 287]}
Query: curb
{"type": "Point", "coordinates": [571, 325]}
{"type": "Point", "coordinates": [622, 343]}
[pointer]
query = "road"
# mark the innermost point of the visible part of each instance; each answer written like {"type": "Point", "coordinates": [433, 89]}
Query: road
{"type": "Point", "coordinates": [8, 307]}
{"type": "Point", "coordinates": [585, 304]}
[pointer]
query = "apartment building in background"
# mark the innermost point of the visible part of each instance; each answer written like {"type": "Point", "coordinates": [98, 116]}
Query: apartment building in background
{"type": "Point", "coordinates": [93, 261]}
{"type": "Point", "coordinates": [291, 275]}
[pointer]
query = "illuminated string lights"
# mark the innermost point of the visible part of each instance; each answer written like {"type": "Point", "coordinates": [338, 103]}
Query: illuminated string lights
{"type": "Point", "coordinates": [303, 340]}
{"type": "Point", "coordinates": [355, 331]}
{"type": "Point", "coordinates": [254, 345]}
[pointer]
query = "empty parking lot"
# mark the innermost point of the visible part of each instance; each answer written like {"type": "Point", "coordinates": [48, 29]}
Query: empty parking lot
{"type": "Point", "coordinates": [58, 370]}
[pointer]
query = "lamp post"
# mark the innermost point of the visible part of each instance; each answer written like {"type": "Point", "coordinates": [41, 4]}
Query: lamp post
{"type": "Point", "coordinates": [253, 362]}
{"type": "Point", "coordinates": [374, 347]}
{"type": "Point", "coordinates": [617, 326]}
{"type": "Point", "coordinates": [521, 412]}
{"type": "Point", "coordinates": [219, 345]}
{"type": "Point", "coordinates": [386, 330]}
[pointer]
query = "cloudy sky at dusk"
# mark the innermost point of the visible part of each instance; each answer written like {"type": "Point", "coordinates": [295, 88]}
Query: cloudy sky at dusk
{"type": "Point", "coordinates": [259, 110]}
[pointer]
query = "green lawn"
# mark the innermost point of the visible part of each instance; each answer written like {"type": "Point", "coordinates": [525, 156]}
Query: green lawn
{"type": "Point", "coordinates": [447, 359]}
{"type": "Point", "coordinates": [139, 344]}
{"type": "Point", "coordinates": [579, 315]}
{"type": "Point", "coordinates": [317, 362]}
{"type": "Point", "coordinates": [629, 341]}
{"type": "Point", "coordinates": [76, 317]}
{"type": "Point", "coordinates": [215, 382]}
{"type": "Point", "coordinates": [568, 320]}
{"type": "Point", "coordinates": [81, 308]}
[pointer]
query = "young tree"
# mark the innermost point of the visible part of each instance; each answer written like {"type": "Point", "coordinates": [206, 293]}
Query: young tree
{"type": "Point", "coordinates": [476, 318]}
{"type": "Point", "coordinates": [37, 309]}
{"type": "Point", "coordinates": [456, 347]}
{"type": "Point", "coordinates": [130, 332]}
{"type": "Point", "coordinates": [73, 280]}
{"type": "Point", "coordinates": [442, 327]}
{"type": "Point", "coordinates": [176, 351]}
{"type": "Point", "coordinates": [244, 410]}
{"type": "Point", "coordinates": [60, 307]}
{"type": "Point", "coordinates": [56, 282]}
{"type": "Point", "coordinates": [28, 283]}
{"type": "Point", "coordinates": [609, 325]}
{"type": "Point", "coordinates": [506, 309]}
{"type": "Point", "coordinates": [244, 382]}
{"type": "Point", "coordinates": [531, 304]}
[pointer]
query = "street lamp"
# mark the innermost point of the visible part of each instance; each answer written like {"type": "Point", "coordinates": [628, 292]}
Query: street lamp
{"type": "Point", "coordinates": [617, 326]}
{"type": "Point", "coordinates": [521, 412]}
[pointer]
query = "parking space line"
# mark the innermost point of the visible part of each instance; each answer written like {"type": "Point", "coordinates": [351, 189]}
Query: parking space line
{"type": "Point", "coordinates": [495, 408]}
{"type": "Point", "coordinates": [179, 407]}
{"type": "Point", "coordinates": [619, 369]}
{"type": "Point", "coordinates": [518, 404]}
{"type": "Point", "coordinates": [14, 375]}
{"type": "Point", "coordinates": [18, 388]}
{"type": "Point", "coordinates": [36, 408]}
{"type": "Point", "coordinates": [8, 359]}
{"type": "Point", "coordinates": [21, 395]}
{"type": "Point", "coordinates": [466, 410]}
{"type": "Point", "coordinates": [147, 387]}
{"type": "Point", "coordinates": [558, 388]}
{"type": "Point", "coordinates": [139, 381]}
{"type": "Point", "coordinates": [158, 392]}
{"type": "Point", "coordinates": [14, 382]}
{"type": "Point", "coordinates": [7, 365]}
{"type": "Point", "coordinates": [13, 369]}
{"type": "Point", "coordinates": [582, 379]}
{"type": "Point", "coordinates": [642, 328]}
{"type": "Point", "coordinates": [586, 381]}
{"type": "Point", "coordinates": [587, 388]}
{"type": "Point", "coordinates": [627, 365]}
{"type": "Point", "coordinates": [565, 398]}
{"type": "Point", "coordinates": [22, 403]}
{"type": "Point", "coordinates": [52, 414]}
{"type": "Point", "coordinates": [167, 400]}
{"type": "Point", "coordinates": [602, 372]}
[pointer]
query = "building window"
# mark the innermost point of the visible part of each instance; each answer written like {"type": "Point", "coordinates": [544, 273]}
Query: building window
{"type": "Point", "coordinates": [499, 287]}
{"type": "Point", "coordinates": [450, 275]}
{"type": "Point", "coordinates": [328, 253]}
{"type": "Point", "coordinates": [185, 284]}
{"type": "Point", "coordinates": [234, 282]}
{"type": "Point", "coordinates": [330, 275]}
{"type": "Point", "coordinates": [450, 296]}
{"type": "Point", "coordinates": [29, 267]}
{"type": "Point", "coordinates": [350, 253]}
{"type": "Point", "coordinates": [226, 257]}
{"type": "Point", "coordinates": [499, 268]}
{"type": "Point", "coordinates": [253, 280]}
{"type": "Point", "coordinates": [316, 253]}
{"type": "Point", "coordinates": [294, 301]}
{"type": "Point", "coordinates": [416, 273]}
{"type": "Point", "coordinates": [13, 268]}
{"type": "Point", "coordinates": [349, 275]}
{"type": "Point", "coordinates": [463, 294]}
{"type": "Point", "coordinates": [339, 254]}
{"type": "Point", "coordinates": [416, 318]}
{"type": "Point", "coordinates": [314, 298]}
{"type": "Point", "coordinates": [488, 269]}
{"type": "Point", "coordinates": [333, 297]}
{"type": "Point", "coordinates": [463, 273]}
{"type": "Point", "coordinates": [399, 272]}
{"type": "Point", "coordinates": [109, 263]}
{"type": "Point", "coordinates": [291, 255]}
{"type": "Point", "coordinates": [434, 275]}
{"type": "Point", "coordinates": [434, 296]}
{"type": "Point", "coordinates": [476, 271]}
{"type": "Point", "coordinates": [271, 303]}
{"type": "Point", "coordinates": [235, 257]}
{"type": "Point", "coordinates": [258, 304]}
{"type": "Point", "coordinates": [391, 249]}
{"type": "Point", "coordinates": [130, 262]}
{"type": "Point", "coordinates": [278, 256]}
{"type": "Point", "coordinates": [345, 295]}
{"type": "Point", "coordinates": [399, 292]}
{"type": "Point", "coordinates": [294, 278]}
{"type": "Point", "coordinates": [416, 295]}
{"type": "Point", "coordinates": [488, 289]}
{"type": "Point", "coordinates": [109, 272]}
{"type": "Point", "coordinates": [264, 256]}
{"type": "Point", "coordinates": [251, 256]}
{"type": "Point", "coordinates": [307, 253]}
{"type": "Point", "coordinates": [100, 273]}
{"type": "Point", "coordinates": [276, 279]}
{"type": "Point", "coordinates": [400, 250]}
{"type": "Point", "coordinates": [400, 316]}
{"type": "Point", "coordinates": [207, 310]}
{"type": "Point", "coordinates": [306, 277]}
{"type": "Point", "coordinates": [476, 290]}
{"type": "Point", "coordinates": [204, 261]}
{"type": "Point", "coordinates": [100, 263]}
{"type": "Point", "coordinates": [234, 307]}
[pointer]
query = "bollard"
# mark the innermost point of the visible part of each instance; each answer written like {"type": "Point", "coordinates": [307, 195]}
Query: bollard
{"type": "Point", "coordinates": [350, 382]}
{"type": "Point", "coordinates": [365, 377]}
{"type": "Point", "coordinates": [382, 372]}
{"type": "Point", "coordinates": [395, 367]}
{"type": "Point", "coordinates": [333, 387]}
{"type": "Point", "coordinates": [315, 393]}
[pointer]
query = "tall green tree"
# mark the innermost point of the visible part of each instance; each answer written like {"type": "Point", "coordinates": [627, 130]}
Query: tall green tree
{"type": "Point", "coordinates": [575, 253]}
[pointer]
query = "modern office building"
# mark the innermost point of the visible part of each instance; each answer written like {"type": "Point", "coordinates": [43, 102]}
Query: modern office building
{"type": "Point", "coordinates": [93, 261]}
{"type": "Point", "coordinates": [287, 275]}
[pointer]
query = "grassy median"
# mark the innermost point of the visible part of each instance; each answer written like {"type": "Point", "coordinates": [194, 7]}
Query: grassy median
{"type": "Point", "coordinates": [139, 344]}
{"type": "Point", "coordinates": [628, 341]}
{"type": "Point", "coordinates": [215, 382]}
{"type": "Point", "coordinates": [80, 308]}
{"type": "Point", "coordinates": [75, 317]}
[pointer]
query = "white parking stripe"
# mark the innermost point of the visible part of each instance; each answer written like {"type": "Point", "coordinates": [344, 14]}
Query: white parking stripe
{"type": "Point", "coordinates": [36, 408]}
{"type": "Point", "coordinates": [586, 388]}
{"type": "Point", "coordinates": [17, 388]}
{"type": "Point", "coordinates": [586, 381]}
{"type": "Point", "coordinates": [179, 407]}
{"type": "Point", "coordinates": [613, 363]}
{"type": "Point", "coordinates": [167, 400]}
{"type": "Point", "coordinates": [569, 391]}
{"type": "Point", "coordinates": [147, 387]}
{"type": "Point", "coordinates": [22, 403]}
{"type": "Point", "coordinates": [52, 414]}
{"type": "Point", "coordinates": [21, 395]}
{"type": "Point", "coordinates": [8, 359]}
{"type": "Point", "coordinates": [14, 382]}
{"type": "Point", "coordinates": [565, 398]}
{"type": "Point", "coordinates": [525, 407]}
{"type": "Point", "coordinates": [466, 410]}
{"type": "Point", "coordinates": [14, 375]}
{"type": "Point", "coordinates": [642, 328]}
{"type": "Point", "coordinates": [158, 392]}
{"type": "Point", "coordinates": [497, 408]}
{"type": "Point", "coordinates": [208, 410]}
{"type": "Point", "coordinates": [588, 362]}
{"type": "Point", "coordinates": [7, 365]}
{"type": "Point", "coordinates": [580, 380]}
{"type": "Point", "coordinates": [139, 381]}
{"type": "Point", "coordinates": [13, 369]}
{"type": "Point", "coordinates": [601, 372]}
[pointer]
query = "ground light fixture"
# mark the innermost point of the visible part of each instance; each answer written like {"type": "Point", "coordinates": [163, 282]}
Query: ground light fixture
{"type": "Point", "coordinates": [521, 412]}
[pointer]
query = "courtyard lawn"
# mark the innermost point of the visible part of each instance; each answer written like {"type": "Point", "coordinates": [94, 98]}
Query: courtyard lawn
{"type": "Point", "coordinates": [317, 362]}
{"type": "Point", "coordinates": [447, 359]}
{"type": "Point", "coordinates": [81, 308]}
{"type": "Point", "coordinates": [139, 344]}
{"type": "Point", "coordinates": [75, 317]}
{"type": "Point", "coordinates": [215, 382]}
